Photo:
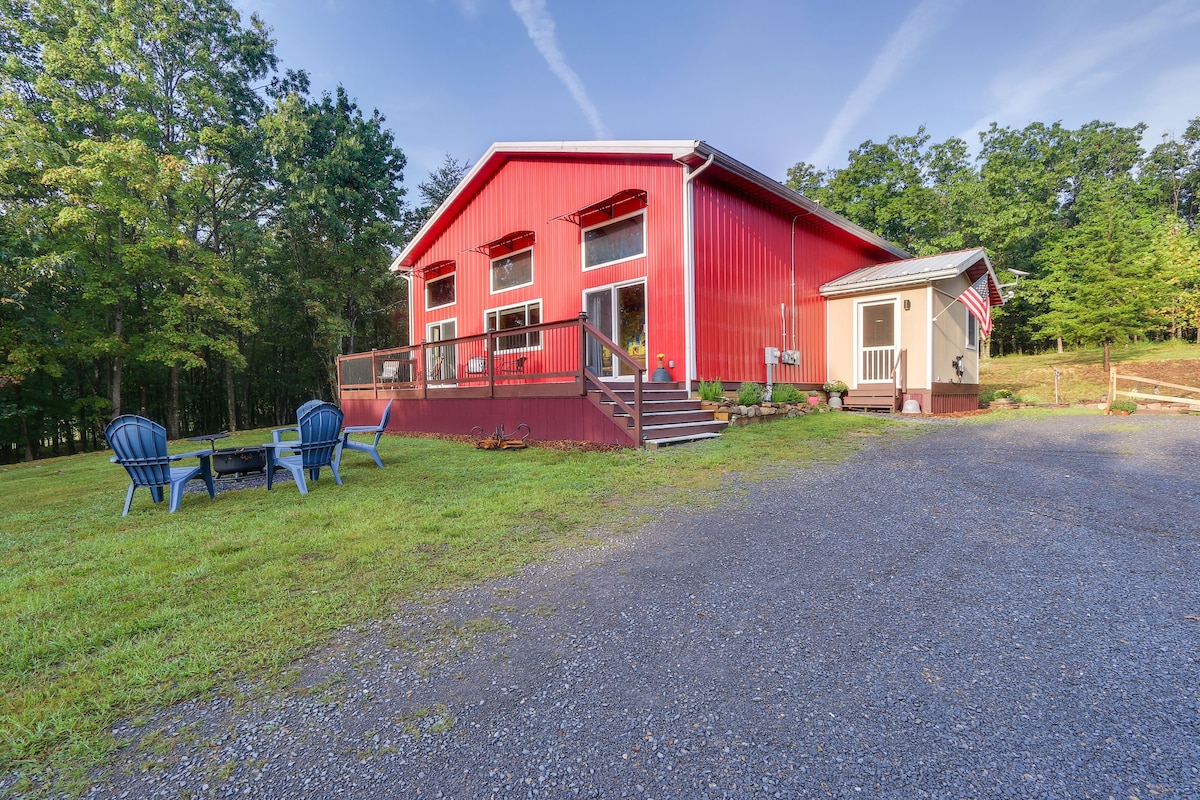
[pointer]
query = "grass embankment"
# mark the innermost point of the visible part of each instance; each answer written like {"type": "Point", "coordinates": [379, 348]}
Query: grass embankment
{"type": "Point", "coordinates": [104, 618]}
{"type": "Point", "coordinates": [1031, 378]}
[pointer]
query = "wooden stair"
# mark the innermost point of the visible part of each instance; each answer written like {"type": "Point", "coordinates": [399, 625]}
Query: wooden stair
{"type": "Point", "coordinates": [669, 414]}
{"type": "Point", "coordinates": [871, 397]}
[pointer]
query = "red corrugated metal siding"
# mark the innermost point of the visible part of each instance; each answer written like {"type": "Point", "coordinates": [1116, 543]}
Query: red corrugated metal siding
{"type": "Point", "coordinates": [743, 274]}
{"type": "Point", "coordinates": [528, 193]}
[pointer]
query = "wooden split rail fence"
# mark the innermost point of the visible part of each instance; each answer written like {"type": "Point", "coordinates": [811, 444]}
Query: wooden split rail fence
{"type": "Point", "coordinates": [1113, 391]}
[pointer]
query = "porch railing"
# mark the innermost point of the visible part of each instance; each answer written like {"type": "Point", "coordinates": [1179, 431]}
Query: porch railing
{"type": "Point", "coordinates": [544, 360]}
{"type": "Point", "coordinates": [877, 363]}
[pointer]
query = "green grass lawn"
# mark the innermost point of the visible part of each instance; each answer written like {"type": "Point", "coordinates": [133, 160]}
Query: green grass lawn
{"type": "Point", "coordinates": [1082, 378]}
{"type": "Point", "coordinates": [104, 618]}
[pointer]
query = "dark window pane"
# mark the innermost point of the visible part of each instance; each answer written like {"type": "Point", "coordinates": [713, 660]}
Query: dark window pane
{"type": "Point", "coordinates": [513, 270]}
{"type": "Point", "coordinates": [439, 292]}
{"type": "Point", "coordinates": [615, 241]}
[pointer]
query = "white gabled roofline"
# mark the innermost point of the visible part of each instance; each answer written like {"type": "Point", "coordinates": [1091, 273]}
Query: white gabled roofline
{"type": "Point", "coordinates": [675, 149]}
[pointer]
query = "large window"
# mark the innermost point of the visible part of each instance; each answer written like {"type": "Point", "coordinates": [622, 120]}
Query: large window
{"type": "Point", "coordinates": [614, 241]}
{"type": "Point", "coordinates": [512, 271]}
{"type": "Point", "coordinates": [439, 292]}
{"type": "Point", "coordinates": [512, 318]}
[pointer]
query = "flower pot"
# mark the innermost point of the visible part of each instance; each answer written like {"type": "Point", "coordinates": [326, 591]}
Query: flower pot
{"type": "Point", "coordinates": [835, 399]}
{"type": "Point", "coordinates": [814, 400]}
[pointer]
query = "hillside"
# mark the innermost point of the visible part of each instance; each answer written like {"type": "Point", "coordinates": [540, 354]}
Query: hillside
{"type": "Point", "coordinates": [1031, 378]}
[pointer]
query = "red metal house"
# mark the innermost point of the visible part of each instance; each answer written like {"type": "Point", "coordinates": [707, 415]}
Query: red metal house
{"type": "Point", "coordinates": [557, 274]}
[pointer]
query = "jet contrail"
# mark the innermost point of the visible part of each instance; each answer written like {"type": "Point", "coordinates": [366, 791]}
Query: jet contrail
{"type": "Point", "coordinates": [541, 31]}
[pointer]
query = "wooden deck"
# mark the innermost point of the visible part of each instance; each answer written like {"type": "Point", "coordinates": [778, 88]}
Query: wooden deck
{"type": "Point", "coordinates": [484, 382]}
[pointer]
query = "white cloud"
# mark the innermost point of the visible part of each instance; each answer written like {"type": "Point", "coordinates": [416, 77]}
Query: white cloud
{"type": "Point", "coordinates": [1022, 95]}
{"type": "Point", "coordinates": [540, 27]}
{"type": "Point", "coordinates": [468, 8]}
{"type": "Point", "coordinates": [920, 25]}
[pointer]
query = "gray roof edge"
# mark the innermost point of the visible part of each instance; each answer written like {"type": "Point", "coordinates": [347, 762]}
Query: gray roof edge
{"type": "Point", "coordinates": [847, 285]}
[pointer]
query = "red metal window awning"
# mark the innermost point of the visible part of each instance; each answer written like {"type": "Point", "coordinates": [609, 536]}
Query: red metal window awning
{"type": "Point", "coordinates": [505, 244]}
{"type": "Point", "coordinates": [623, 202]}
{"type": "Point", "coordinates": [436, 270]}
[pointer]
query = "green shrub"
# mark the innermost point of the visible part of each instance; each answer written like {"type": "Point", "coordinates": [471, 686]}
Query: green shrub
{"type": "Point", "coordinates": [835, 386]}
{"type": "Point", "coordinates": [786, 393]}
{"type": "Point", "coordinates": [710, 390]}
{"type": "Point", "coordinates": [750, 394]}
{"type": "Point", "coordinates": [1002, 394]}
{"type": "Point", "coordinates": [1123, 405]}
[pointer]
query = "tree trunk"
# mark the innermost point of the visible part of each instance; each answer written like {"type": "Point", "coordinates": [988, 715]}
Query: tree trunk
{"type": "Point", "coordinates": [30, 450]}
{"type": "Point", "coordinates": [230, 398]}
{"type": "Point", "coordinates": [1060, 344]}
{"type": "Point", "coordinates": [114, 387]}
{"type": "Point", "coordinates": [173, 402]}
{"type": "Point", "coordinates": [1107, 362]}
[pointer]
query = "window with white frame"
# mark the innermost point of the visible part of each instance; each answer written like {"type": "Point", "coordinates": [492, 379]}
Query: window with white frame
{"type": "Point", "coordinates": [972, 332]}
{"type": "Point", "coordinates": [439, 292]}
{"type": "Point", "coordinates": [512, 318]}
{"type": "Point", "coordinates": [618, 240]}
{"type": "Point", "coordinates": [512, 271]}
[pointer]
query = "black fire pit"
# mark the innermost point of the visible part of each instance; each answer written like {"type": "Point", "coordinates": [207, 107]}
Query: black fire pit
{"type": "Point", "coordinates": [239, 461]}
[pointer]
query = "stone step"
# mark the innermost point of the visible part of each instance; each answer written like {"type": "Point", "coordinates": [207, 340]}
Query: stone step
{"type": "Point", "coordinates": [673, 440]}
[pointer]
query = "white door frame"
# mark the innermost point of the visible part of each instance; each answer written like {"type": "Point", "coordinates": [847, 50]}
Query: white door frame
{"type": "Point", "coordinates": [616, 314]}
{"type": "Point", "coordinates": [859, 350]}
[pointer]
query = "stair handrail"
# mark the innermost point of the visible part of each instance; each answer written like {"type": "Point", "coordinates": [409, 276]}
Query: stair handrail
{"type": "Point", "coordinates": [585, 376]}
{"type": "Point", "coordinates": [899, 386]}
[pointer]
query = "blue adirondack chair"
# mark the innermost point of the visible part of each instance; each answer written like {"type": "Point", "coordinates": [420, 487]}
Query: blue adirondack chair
{"type": "Point", "coordinates": [141, 448]}
{"type": "Point", "coordinates": [277, 434]}
{"type": "Point", "coordinates": [319, 445]}
{"type": "Point", "coordinates": [372, 446]}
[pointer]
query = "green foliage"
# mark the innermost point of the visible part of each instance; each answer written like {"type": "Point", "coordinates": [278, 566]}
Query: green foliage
{"type": "Point", "coordinates": [786, 393]}
{"type": "Point", "coordinates": [710, 390]}
{"type": "Point", "coordinates": [168, 234]}
{"type": "Point", "coordinates": [1106, 232]}
{"type": "Point", "coordinates": [1128, 406]}
{"type": "Point", "coordinates": [750, 394]}
{"type": "Point", "coordinates": [835, 386]}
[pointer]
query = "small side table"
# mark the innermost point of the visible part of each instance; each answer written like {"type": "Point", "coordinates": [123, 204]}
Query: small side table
{"type": "Point", "coordinates": [211, 438]}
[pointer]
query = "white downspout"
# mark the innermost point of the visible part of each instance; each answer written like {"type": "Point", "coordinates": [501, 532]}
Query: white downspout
{"type": "Point", "coordinates": [794, 281]}
{"type": "Point", "coordinates": [689, 270]}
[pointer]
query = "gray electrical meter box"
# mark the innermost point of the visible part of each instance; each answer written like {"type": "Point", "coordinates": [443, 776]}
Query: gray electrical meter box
{"type": "Point", "coordinates": [772, 355]}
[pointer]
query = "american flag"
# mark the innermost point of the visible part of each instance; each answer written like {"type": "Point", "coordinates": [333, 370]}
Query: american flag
{"type": "Point", "coordinates": [975, 298]}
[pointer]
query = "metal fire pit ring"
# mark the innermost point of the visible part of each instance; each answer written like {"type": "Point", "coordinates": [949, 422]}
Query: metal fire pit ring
{"type": "Point", "coordinates": [239, 461]}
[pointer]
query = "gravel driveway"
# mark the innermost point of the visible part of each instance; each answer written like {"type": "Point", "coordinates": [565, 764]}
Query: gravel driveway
{"type": "Point", "coordinates": [1008, 609]}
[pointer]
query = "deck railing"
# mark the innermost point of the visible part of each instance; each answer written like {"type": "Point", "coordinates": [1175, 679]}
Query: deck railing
{"type": "Point", "coordinates": [544, 360]}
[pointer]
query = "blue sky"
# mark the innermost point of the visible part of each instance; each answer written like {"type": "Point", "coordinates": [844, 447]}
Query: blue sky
{"type": "Point", "coordinates": [767, 81]}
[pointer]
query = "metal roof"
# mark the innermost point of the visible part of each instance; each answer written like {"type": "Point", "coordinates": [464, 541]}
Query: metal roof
{"type": "Point", "coordinates": [915, 271]}
{"type": "Point", "coordinates": [690, 152]}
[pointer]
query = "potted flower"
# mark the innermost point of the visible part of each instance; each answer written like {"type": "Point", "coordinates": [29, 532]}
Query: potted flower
{"type": "Point", "coordinates": [1122, 407]}
{"type": "Point", "coordinates": [814, 398]}
{"type": "Point", "coordinates": [835, 389]}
